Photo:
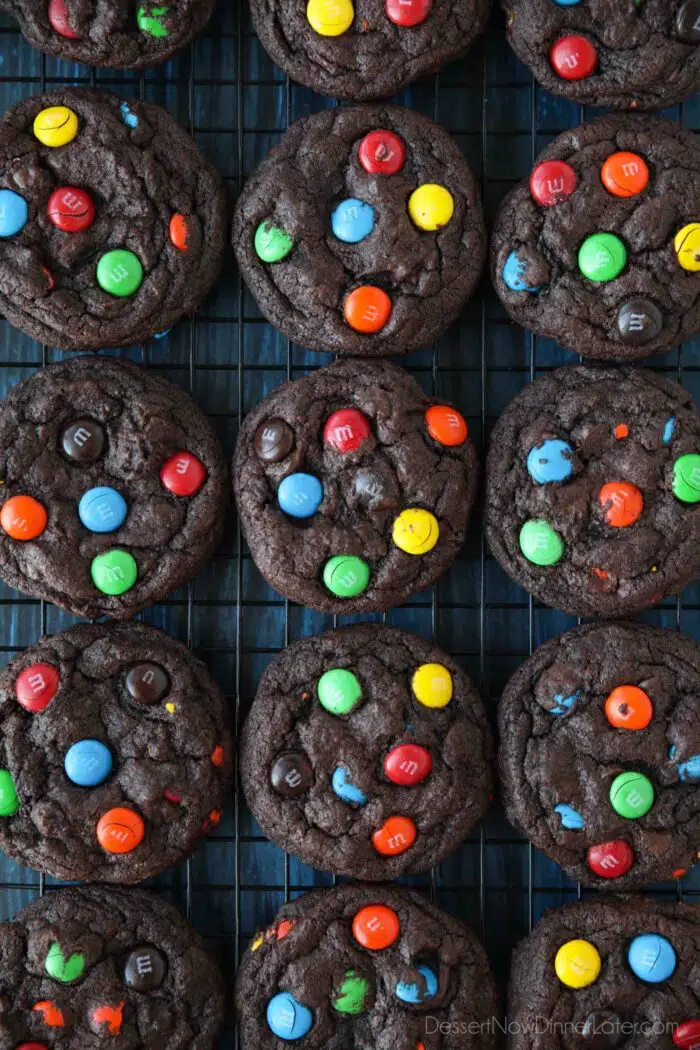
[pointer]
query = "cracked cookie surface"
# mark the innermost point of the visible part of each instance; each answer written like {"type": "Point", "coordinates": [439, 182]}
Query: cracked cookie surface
{"type": "Point", "coordinates": [385, 46]}
{"type": "Point", "coordinates": [606, 53]}
{"type": "Point", "coordinates": [354, 966]}
{"type": "Point", "coordinates": [353, 487]}
{"type": "Point", "coordinates": [617, 1008]}
{"type": "Point", "coordinates": [600, 249]}
{"type": "Point", "coordinates": [367, 752]}
{"type": "Point", "coordinates": [114, 487]}
{"type": "Point", "coordinates": [115, 753]}
{"type": "Point", "coordinates": [600, 753]}
{"type": "Point", "coordinates": [89, 965]}
{"type": "Point", "coordinates": [362, 232]}
{"type": "Point", "coordinates": [117, 33]}
{"type": "Point", "coordinates": [113, 224]}
{"type": "Point", "coordinates": [593, 490]}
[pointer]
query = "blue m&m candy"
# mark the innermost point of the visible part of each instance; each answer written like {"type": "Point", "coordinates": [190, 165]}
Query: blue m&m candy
{"type": "Point", "coordinates": [652, 958]}
{"type": "Point", "coordinates": [551, 461]}
{"type": "Point", "coordinates": [352, 220]}
{"type": "Point", "coordinates": [13, 213]}
{"type": "Point", "coordinates": [515, 275]}
{"type": "Point", "coordinates": [88, 763]}
{"type": "Point", "coordinates": [345, 789]}
{"type": "Point", "coordinates": [300, 495]}
{"type": "Point", "coordinates": [571, 819]}
{"type": "Point", "coordinates": [412, 992]}
{"type": "Point", "coordinates": [567, 3]}
{"type": "Point", "coordinates": [563, 704]}
{"type": "Point", "coordinates": [287, 1018]}
{"type": "Point", "coordinates": [688, 770]}
{"type": "Point", "coordinates": [102, 509]}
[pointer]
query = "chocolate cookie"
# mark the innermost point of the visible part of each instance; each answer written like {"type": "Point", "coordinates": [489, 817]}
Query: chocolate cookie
{"type": "Point", "coordinates": [600, 753]}
{"type": "Point", "coordinates": [631, 55]}
{"type": "Point", "coordinates": [600, 249]}
{"type": "Point", "coordinates": [608, 972]}
{"type": "Point", "coordinates": [87, 966]}
{"type": "Point", "coordinates": [362, 232]}
{"type": "Point", "coordinates": [592, 492]}
{"type": "Point", "coordinates": [353, 487]}
{"type": "Point", "coordinates": [367, 752]}
{"type": "Point", "coordinates": [368, 49]}
{"type": "Point", "coordinates": [112, 223]}
{"type": "Point", "coordinates": [366, 967]}
{"type": "Point", "coordinates": [113, 487]}
{"type": "Point", "coordinates": [114, 753]}
{"type": "Point", "coordinates": [118, 34]}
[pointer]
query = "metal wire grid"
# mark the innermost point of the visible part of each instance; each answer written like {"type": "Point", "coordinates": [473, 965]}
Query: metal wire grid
{"type": "Point", "coordinates": [237, 104]}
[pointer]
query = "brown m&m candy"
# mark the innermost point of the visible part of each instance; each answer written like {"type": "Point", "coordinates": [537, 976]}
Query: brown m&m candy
{"type": "Point", "coordinates": [147, 683]}
{"type": "Point", "coordinates": [145, 968]}
{"type": "Point", "coordinates": [688, 22]}
{"type": "Point", "coordinates": [292, 774]}
{"type": "Point", "coordinates": [83, 441]}
{"type": "Point", "coordinates": [274, 440]}
{"type": "Point", "coordinates": [639, 321]}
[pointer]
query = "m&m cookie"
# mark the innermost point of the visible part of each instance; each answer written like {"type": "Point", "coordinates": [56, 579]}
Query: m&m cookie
{"type": "Point", "coordinates": [130, 754]}
{"type": "Point", "coordinates": [92, 965]}
{"type": "Point", "coordinates": [124, 36]}
{"type": "Point", "coordinates": [593, 490]}
{"type": "Point", "coordinates": [113, 487]}
{"type": "Point", "coordinates": [641, 54]}
{"type": "Point", "coordinates": [362, 233]}
{"type": "Point", "coordinates": [600, 753]}
{"type": "Point", "coordinates": [599, 248]}
{"type": "Point", "coordinates": [112, 223]}
{"type": "Point", "coordinates": [366, 49]}
{"type": "Point", "coordinates": [621, 970]}
{"type": "Point", "coordinates": [367, 752]}
{"type": "Point", "coordinates": [338, 966]}
{"type": "Point", "coordinates": [354, 487]}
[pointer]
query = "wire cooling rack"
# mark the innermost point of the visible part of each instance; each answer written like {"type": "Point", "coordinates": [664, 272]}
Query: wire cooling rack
{"type": "Point", "coordinates": [237, 105]}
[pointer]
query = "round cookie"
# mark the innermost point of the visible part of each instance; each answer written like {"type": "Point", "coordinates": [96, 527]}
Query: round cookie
{"type": "Point", "coordinates": [353, 487]}
{"type": "Point", "coordinates": [113, 487]}
{"type": "Point", "coordinates": [362, 232]}
{"type": "Point", "coordinates": [91, 965]}
{"type": "Point", "coordinates": [118, 35]}
{"type": "Point", "coordinates": [608, 972]}
{"type": "Point", "coordinates": [593, 490]}
{"type": "Point", "coordinates": [366, 49]}
{"type": "Point", "coordinates": [633, 55]}
{"type": "Point", "coordinates": [600, 753]}
{"type": "Point", "coordinates": [112, 223]}
{"type": "Point", "coordinates": [600, 247]}
{"type": "Point", "coordinates": [357, 966]}
{"type": "Point", "coordinates": [115, 753]}
{"type": "Point", "coordinates": [367, 753]}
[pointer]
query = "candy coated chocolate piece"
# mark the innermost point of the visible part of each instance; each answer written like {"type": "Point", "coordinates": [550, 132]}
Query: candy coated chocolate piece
{"type": "Point", "coordinates": [23, 518]}
{"type": "Point", "coordinates": [639, 321]}
{"type": "Point", "coordinates": [60, 967]}
{"type": "Point", "coordinates": [376, 927]}
{"type": "Point", "coordinates": [408, 764]}
{"type": "Point", "coordinates": [346, 430]}
{"type": "Point", "coordinates": [432, 685]}
{"type": "Point", "coordinates": [55, 126]}
{"type": "Point", "coordinates": [578, 964]}
{"type": "Point", "coordinates": [540, 543]}
{"type": "Point", "coordinates": [274, 440]}
{"type": "Point", "coordinates": [610, 860]}
{"type": "Point", "coordinates": [652, 958]}
{"type": "Point", "coordinates": [287, 1018]}
{"type": "Point", "coordinates": [83, 441]}
{"type": "Point", "coordinates": [382, 152]}
{"type": "Point", "coordinates": [88, 763]}
{"type": "Point", "coordinates": [9, 799]}
{"type": "Point", "coordinates": [339, 691]}
{"type": "Point", "coordinates": [120, 830]}
{"type": "Point", "coordinates": [14, 213]}
{"type": "Point", "coordinates": [602, 257]}
{"type": "Point", "coordinates": [346, 575]}
{"type": "Point", "coordinates": [552, 182]}
{"type": "Point", "coordinates": [119, 272]}
{"type": "Point", "coordinates": [145, 968]}
{"type": "Point", "coordinates": [272, 243]}
{"type": "Point", "coordinates": [292, 775]}
{"type": "Point", "coordinates": [550, 461]}
{"type": "Point", "coordinates": [114, 571]}
{"type": "Point", "coordinates": [573, 57]}
{"type": "Point", "coordinates": [396, 835]}
{"type": "Point", "coordinates": [631, 795]}
{"type": "Point", "coordinates": [71, 209]}
{"type": "Point", "coordinates": [342, 784]}
{"type": "Point", "coordinates": [183, 474]}
{"type": "Point", "coordinates": [36, 686]}
{"type": "Point", "coordinates": [147, 683]}
{"type": "Point", "coordinates": [102, 509]}
{"type": "Point", "coordinates": [629, 707]}
{"type": "Point", "coordinates": [446, 425]}
{"type": "Point", "coordinates": [300, 495]}
{"type": "Point", "coordinates": [352, 220]}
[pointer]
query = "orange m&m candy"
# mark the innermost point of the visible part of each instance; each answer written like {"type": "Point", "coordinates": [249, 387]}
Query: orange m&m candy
{"type": "Point", "coordinates": [446, 425]}
{"type": "Point", "coordinates": [120, 830]}
{"type": "Point", "coordinates": [367, 309]}
{"type": "Point", "coordinates": [622, 502]}
{"type": "Point", "coordinates": [625, 174]}
{"type": "Point", "coordinates": [376, 927]}
{"type": "Point", "coordinates": [396, 835]}
{"type": "Point", "coordinates": [23, 518]}
{"type": "Point", "coordinates": [629, 707]}
{"type": "Point", "coordinates": [179, 231]}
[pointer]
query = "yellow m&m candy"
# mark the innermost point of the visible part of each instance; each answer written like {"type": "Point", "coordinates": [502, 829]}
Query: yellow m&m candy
{"type": "Point", "coordinates": [431, 206]}
{"type": "Point", "coordinates": [432, 685]}
{"type": "Point", "coordinates": [687, 245]}
{"type": "Point", "coordinates": [56, 126]}
{"type": "Point", "coordinates": [416, 531]}
{"type": "Point", "coordinates": [330, 17]}
{"type": "Point", "coordinates": [577, 964]}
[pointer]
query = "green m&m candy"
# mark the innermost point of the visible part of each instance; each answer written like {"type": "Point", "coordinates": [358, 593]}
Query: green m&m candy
{"type": "Point", "coordinates": [339, 691]}
{"type": "Point", "coordinates": [272, 243]}
{"type": "Point", "coordinates": [540, 543]}
{"type": "Point", "coordinates": [351, 994]}
{"type": "Point", "coordinates": [9, 801]}
{"type": "Point", "coordinates": [120, 272]}
{"type": "Point", "coordinates": [114, 572]}
{"type": "Point", "coordinates": [345, 575]}
{"type": "Point", "coordinates": [686, 478]}
{"type": "Point", "coordinates": [149, 21]}
{"type": "Point", "coordinates": [631, 795]}
{"type": "Point", "coordinates": [602, 257]}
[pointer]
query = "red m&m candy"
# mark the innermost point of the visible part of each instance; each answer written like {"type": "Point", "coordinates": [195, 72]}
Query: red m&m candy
{"type": "Point", "coordinates": [611, 859]}
{"type": "Point", "coordinates": [382, 153]}
{"type": "Point", "coordinates": [59, 17]}
{"type": "Point", "coordinates": [36, 686]}
{"type": "Point", "coordinates": [552, 182]}
{"type": "Point", "coordinates": [183, 474]}
{"type": "Point", "coordinates": [573, 57]}
{"type": "Point", "coordinates": [687, 1035]}
{"type": "Point", "coordinates": [346, 429]}
{"type": "Point", "coordinates": [71, 209]}
{"type": "Point", "coordinates": [408, 12]}
{"type": "Point", "coordinates": [408, 764]}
